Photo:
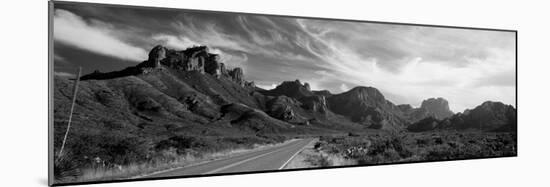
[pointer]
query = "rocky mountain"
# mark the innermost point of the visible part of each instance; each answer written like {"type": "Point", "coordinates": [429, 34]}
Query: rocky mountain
{"type": "Point", "coordinates": [193, 87]}
{"type": "Point", "coordinates": [439, 107]}
{"type": "Point", "coordinates": [413, 114]}
{"type": "Point", "coordinates": [302, 105]}
{"type": "Point", "coordinates": [489, 116]}
{"type": "Point", "coordinates": [366, 105]}
{"type": "Point", "coordinates": [294, 89]}
{"type": "Point", "coordinates": [190, 92]}
{"type": "Point", "coordinates": [170, 93]}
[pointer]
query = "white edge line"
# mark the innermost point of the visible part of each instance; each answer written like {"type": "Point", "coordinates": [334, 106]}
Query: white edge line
{"type": "Point", "coordinates": [204, 162]}
{"type": "Point", "coordinates": [240, 162]}
{"type": "Point", "coordinates": [295, 154]}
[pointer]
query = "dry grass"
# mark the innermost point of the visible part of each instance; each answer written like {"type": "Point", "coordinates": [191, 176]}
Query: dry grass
{"type": "Point", "coordinates": [408, 147]}
{"type": "Point", "coordinates": [155, 166]}
{"type": "Point", "coordinates": [311, 157]}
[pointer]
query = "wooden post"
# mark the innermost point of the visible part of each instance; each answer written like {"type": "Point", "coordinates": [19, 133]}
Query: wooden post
{"type": "Point", "coordinates": [75, 91]}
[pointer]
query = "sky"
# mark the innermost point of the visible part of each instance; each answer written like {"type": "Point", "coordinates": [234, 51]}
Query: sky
{"type": "Point", "coordinates": [406, 63]}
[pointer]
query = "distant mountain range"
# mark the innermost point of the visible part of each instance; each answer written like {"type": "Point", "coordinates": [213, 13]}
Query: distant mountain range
{"type": "Point", "coordinates": [192, 87]}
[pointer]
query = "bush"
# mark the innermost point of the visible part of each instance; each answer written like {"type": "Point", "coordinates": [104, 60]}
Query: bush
{"type": "Point", "coordinates": [65, 168]}
{"type": "Point", "coordinates": [111, 148]}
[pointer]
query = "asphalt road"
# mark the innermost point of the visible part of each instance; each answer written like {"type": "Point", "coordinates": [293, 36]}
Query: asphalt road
{"type": "Point", "coordinates": [272, 158]}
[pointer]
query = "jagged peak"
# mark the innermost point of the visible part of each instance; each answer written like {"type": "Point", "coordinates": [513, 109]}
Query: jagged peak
{"type": "Point", "coordinates": [195, 58]}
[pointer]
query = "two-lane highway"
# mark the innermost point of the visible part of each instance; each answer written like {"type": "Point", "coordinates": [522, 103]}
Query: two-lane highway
{"type": "Point", "coordinates": [272, 158]}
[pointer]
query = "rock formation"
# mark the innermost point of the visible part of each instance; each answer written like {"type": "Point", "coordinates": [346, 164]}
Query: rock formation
{"type": "Point", "coordinates": [366, 105]}
{"type": "Point", "coordinates": [281, 108]}
{"type": "Point", "coordinates": [291, 101]}
{"type": "Point", "coordinates": [249, 84]}
{"type": "Point", "coordinates": [156, 55]}
{"type": "Point", "coordinates": [307, 87]}
{"type": "Point", "coordinates": [315, 103]}
{"type": "Point", "coordinates": [294, 89]}
{"type": "Point", "coordinates": [196, 58]}
{"type": "Point", "coordinates": [489, 116]}
{"type": "Point", "coordinates": [302, 92]}
{"type": "Point", "coordinates": [439, 107]}
{"type": "Point", "coordinates": [237, 76]}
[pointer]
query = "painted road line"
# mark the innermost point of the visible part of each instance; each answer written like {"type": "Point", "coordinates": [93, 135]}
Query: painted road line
{"type": "Point", "coordinates": [294, 155]}
{"type": "Point", "coordinates": [241, 162]}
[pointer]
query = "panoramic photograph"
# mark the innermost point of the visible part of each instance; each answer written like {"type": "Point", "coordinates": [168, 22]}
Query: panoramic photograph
{"type": "Point", "coordinates": [150, 93]}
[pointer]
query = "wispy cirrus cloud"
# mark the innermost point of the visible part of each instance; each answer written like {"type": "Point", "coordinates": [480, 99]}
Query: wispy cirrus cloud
{"type": "Point", "coordinates": [94, 36]}
{"type": "Point", "coordinates": [437, 62]}
{"type": "Point", "coordinates": [407, 63]}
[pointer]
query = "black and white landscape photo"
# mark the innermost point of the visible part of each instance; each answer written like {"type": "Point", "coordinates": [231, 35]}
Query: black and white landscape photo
{"type": "Point", "coordinates": [149, 93]}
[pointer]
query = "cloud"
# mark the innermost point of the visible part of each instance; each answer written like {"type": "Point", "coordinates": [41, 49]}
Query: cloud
{"type": "Point", "coordinates": [406, 63]}
{"type": "Point", "coordinates": [178, 42]}
{"type": "Point", "coordinates": [64, 74]}
{"type": "Point", "coordinates": [94, 36]}
{"type": "Point", "coordinates": [266, 86]}
{"type": "Point", "coordinates": [232, 60]}
{"type": "Point", "coordinates": [344, 87]}
{"type": "Point", "coordinates": [453, 64]}
{"type": "Point", "coordinates": [505, 79]}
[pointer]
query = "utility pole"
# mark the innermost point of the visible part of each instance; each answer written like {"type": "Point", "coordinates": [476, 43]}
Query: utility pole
{"type": "Point", "coordinates": [75, 91]}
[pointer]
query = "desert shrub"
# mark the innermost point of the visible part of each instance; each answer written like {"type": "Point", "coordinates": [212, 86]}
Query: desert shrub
{"type": "Point", "coordinates": [353, 134]}
{"type": "Point", "coordinates": [396, 147]}
{"type": "Point", "coordinates": [319, 161]}
{"type": "Point", "coordinates": [422, 142]}
{"type": "Point", "coordinates": [438, 140]}
{"type": "Point", "coordinates": [318, 145]}
{"type": "Point", "coordinates": [111, 148]}
{"type": "Point", "coordinates": [271, 138]}
{"type": "Point", "coordinates": [183, 143]}
{"type": "Point", "coordinates": [464, 146]}
{"type": "Point", "coordinates": [367, 150]}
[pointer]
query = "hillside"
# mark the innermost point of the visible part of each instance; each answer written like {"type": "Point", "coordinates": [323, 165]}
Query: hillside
{"type": "Point", "coordinates": [128, 116]}
{"type": "Point", "coordinates": [188, 97]}
{"type": "Point", "coordinates": [489, 116]}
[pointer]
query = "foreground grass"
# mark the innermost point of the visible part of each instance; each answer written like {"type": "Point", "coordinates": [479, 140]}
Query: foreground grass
{"type": "Point", "coordinates": [382, 148]}
{"type": "Point", "coordinates": [166, 159]}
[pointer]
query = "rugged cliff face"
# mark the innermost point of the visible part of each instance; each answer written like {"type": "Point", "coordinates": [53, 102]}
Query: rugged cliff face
{"type": "Point", "coordinates": [489, 116]}
{"type": "Point", "coordinates": [192, 85]}
{"type": "Point", "coordinates": [436, 108]}
{"type": "Point", "coordinates": [193, 59]}
{"type": "Point", "coordinates": [366, 105]}
{"type": "Point", "coordinates": [439, 107]}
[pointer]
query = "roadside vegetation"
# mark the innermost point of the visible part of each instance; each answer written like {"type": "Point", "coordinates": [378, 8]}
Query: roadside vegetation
{"type": "Point", "coordinates": [111, 156]}
{"type": "Point", "coordinates": [381, 148]}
